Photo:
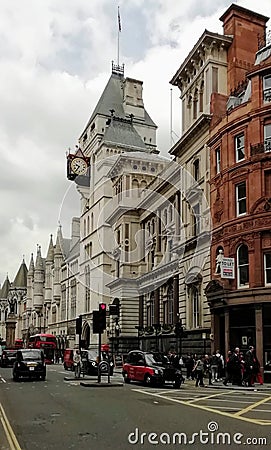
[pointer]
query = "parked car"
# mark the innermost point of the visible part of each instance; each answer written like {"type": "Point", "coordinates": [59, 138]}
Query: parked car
{"type": "Point", "coordinates": [151, 369]}
{"type": "Point", "coordinates": [8, 357]}
{"type": "Point", "coordinates": [29, 363]}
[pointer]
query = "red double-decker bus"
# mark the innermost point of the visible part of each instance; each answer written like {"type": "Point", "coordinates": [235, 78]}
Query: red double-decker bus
{"type": "Point", "coordinates": [45, 342]}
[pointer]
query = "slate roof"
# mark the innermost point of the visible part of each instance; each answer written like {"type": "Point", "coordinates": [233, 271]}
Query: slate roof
{"type": "Point", "coordinates": [5, 289]}
{"type": "Point", "coordinates": [112, 98]}
{"type": "Point", "coordinates": [20, 280]}
{"type": "Point", "coordinates": [123, 133]}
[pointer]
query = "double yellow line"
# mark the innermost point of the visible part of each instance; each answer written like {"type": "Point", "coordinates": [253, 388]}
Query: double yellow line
{"type": "Point", "coordinates": [11, 438]}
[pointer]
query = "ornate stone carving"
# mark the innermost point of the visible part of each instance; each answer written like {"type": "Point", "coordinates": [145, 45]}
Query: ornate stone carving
{"type": "Point", "coordinates": [263, 204]}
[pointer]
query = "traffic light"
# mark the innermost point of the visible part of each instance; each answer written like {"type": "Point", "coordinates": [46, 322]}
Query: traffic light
{"type": "Point", "coordinates": [78, 325]}
{"type": "Point", "coordinates": [178, 329]}
{"type": "Point", "coordinates": [99, 319]}
{"type": "Point", "coordinates": [102, 311]}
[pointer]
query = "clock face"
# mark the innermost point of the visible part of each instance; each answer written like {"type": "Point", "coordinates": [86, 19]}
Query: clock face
{"type": "Point", "coordinates": [79, 166]}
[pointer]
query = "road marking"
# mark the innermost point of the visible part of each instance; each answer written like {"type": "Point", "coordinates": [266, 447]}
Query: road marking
{"type": "Point", "coordinates": [3, 380]}
{"type": "Point", "coordinates": [205, 408]}
{"type": "Point", "coordinates": [206, 397]}
{"type": "Point", "coordinates": [253, 406]}
{"type": "Point", "coordinates": [12, 440]}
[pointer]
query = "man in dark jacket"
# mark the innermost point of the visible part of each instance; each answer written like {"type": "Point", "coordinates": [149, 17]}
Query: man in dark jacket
{"type": "Point", "coordinates": [249, 366]}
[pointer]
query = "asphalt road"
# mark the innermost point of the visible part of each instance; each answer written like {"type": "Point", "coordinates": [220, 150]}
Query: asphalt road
{"type": "Point", "coordinates": [62, 414]}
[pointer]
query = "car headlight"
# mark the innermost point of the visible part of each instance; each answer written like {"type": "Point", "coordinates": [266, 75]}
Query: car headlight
{"type": "Point", "coordinates": [111, 364]}
{"type": "Point", "coordinates": [158, 372]}
{"type": "Point", "coordinates": [93, 363]}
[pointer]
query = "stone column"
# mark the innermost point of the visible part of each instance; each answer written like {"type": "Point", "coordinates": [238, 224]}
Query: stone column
{"type": "Point", "coordinates": [157, 306]}
{"type": "Point", "coordinates": [10, 330]}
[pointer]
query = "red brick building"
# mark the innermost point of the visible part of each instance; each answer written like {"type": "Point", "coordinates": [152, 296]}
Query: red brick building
{"type": "Point", "coordinates": [240, 190]}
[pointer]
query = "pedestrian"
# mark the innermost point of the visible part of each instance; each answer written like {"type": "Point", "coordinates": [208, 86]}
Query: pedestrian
{"type": "Point", "coordinates": [220, 363]}
{"type": "Point", "coordinates": [257, 376]}
{"type": "Point", "coordinates": [77, 363]}
{"type": "Point", "coordinates": [207, 368]}
{"type": "Point", "coordinates": [199, 371]}
{"type": "Point", "coordinates": [249, 367]}
{"type": "Point", "coordinates": [189, 366]}
{"type": "Point", "coordinates": [214, 367]}
{"type": "Point", "coordinates": [235, 367]}
{"type": "Point", "coordinates": [228, 377]}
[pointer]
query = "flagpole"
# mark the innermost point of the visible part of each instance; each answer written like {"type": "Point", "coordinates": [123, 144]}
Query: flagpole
{"type": "Point", "coordinates": [119, 30]}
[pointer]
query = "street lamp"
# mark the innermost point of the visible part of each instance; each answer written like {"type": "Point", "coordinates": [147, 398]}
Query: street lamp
{"type": "Point", "coordinates": [204, 336]}
{"type": "Point", "coordinates": [157, 327]}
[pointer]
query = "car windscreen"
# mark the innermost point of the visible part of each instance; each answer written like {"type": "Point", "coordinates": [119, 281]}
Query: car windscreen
{"type": "Point", "coordinates": [10, 352]}
{"type": "Point", "coordinates": [27, 356]}
{"type": "Point", "coordinates": [156, 359]}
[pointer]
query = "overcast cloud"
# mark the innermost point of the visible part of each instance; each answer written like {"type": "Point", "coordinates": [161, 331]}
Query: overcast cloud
{"type": "Point", "coordinates": [55, 59]}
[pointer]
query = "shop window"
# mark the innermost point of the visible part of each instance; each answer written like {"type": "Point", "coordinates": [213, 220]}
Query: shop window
{"type": "Point", "coordinates": [242, 266]}
{"type": "Point", "coordinates": [239, 145]}
{"type": "Point", "coordinates": [241, 199]}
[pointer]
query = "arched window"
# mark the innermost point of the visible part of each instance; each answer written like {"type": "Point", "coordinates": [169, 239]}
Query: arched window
{"type": "Point", "coordinates": [242, 266]}
{"type": "Point", "coordinates": [150, 311]}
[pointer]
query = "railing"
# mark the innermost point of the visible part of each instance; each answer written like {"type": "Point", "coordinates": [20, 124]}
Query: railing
{"type": "Point", "coordinates": [260, 147]}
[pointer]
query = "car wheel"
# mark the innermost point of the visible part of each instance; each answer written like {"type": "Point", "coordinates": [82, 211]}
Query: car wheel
{"type": "Point", "coordinates": [43, 377]}
{"type": "Point", "coordinates": [177, 384]}
{"type": "Point", "coordinates": [126, 378]}
{"type": "Point", "coordinates": [148, 380]}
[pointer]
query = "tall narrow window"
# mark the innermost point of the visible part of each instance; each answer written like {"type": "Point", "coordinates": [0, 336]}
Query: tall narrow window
{"type": "Point", "coordinates": [241, 199]}
{"type": "Point", "coordinates": [195, 307]}
{"type": "Point", "coordinates": [73, 298]}
{"type": "Point", "coordinates": [214, 79]}
{"type": "Point", "coordinates": [267, 137]}
{"type": "Point", "coordinates": [150, 311]}
{"type": "Point", "coordinates": [267, 268]}
{"type": "Point", "coordinates": [267, 88]}
{"type": "Point", "coordinates": [196, 169]}
{"type": "Point", "coordinates": [196, 220]}
{"type": "Point", "coordinates": [170, 304]}
{"type": "Point", "coordinates": [267, 183]}
{"type": "Point", "coordinates": [242, 266]}
{"type": "Point", "coordinates": [239, 144]}
{"type": "Point", "coordinates": [87, 288]}
{"type": "Point", "coordinates": [217, 159]}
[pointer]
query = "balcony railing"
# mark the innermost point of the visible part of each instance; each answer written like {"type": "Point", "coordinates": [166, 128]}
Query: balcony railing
{"type": "Point", "coordinates": [260, 147]}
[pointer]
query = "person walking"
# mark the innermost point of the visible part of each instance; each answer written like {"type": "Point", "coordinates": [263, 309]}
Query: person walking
{"type": "Point", "coordinates": [249, 367]}
{"type": "Point", "coordinates": [228, 377]}
{"type": "Point", "coordinates": [77, 361]}
{"type": "Point", "coordinates": [236, 367]}
{"type": "Point", "coordinates": [199, 371]}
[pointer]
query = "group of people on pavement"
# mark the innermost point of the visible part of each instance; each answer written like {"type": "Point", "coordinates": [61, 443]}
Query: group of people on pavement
{"type": "Point", "coordinates": [242, 369]}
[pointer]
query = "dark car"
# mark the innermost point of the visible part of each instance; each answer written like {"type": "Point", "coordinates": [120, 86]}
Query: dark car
{"type": "Point", "coordinates": [29, 363]}
{"type": "Point", "coordinates": [90, 361]}
{"type": "Point", "coordinates": [8, 357]}
{"type": "Point", "coordinates": [151, 369]}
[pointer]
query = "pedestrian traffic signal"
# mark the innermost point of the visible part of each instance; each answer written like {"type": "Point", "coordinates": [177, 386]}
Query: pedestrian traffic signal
{"type": "Point", "coordinates": [113, 310]}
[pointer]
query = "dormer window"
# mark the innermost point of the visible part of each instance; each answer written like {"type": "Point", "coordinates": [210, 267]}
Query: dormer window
{"type": "Point", "coordinates": [267, 88]}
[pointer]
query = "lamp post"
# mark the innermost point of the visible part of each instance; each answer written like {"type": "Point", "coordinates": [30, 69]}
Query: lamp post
{"type": "Point", "coordinates": [117, 333]}
{"type": "Point", "coordinates": [204, 336]}
{"type": "Point", "coordinates": [157, 327]}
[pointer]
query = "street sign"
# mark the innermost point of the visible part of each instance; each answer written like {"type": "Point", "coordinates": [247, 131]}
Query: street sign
{"type": "Point", "coordinates": [227, 268]}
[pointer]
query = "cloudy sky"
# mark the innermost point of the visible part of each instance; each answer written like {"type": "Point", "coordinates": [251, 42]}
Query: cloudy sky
{"type": "Point", "coordinates": [55, 59]}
